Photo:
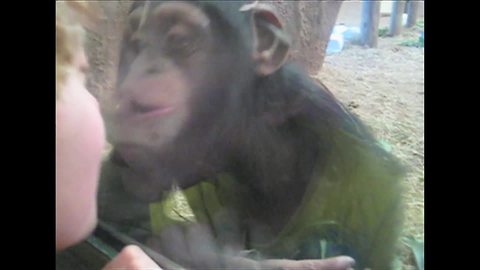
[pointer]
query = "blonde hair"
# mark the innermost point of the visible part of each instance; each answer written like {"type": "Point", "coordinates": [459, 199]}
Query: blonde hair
{"type": "Point", "coordinates": [71, 17]}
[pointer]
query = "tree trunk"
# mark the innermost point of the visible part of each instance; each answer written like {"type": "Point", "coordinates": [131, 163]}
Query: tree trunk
{"type": "Point", "coordinates": [103, 48]}
{"type": "Point", "coordinates": [412, 13]}
{"type": "Point", "coordinates": [396, 20]}
{"type": "Point", "coordinates": [310, 24]}
{"type": "Point", "coordinates": [369, 25]}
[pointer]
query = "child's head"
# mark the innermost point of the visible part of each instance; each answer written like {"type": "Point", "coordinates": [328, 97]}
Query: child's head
{"type": "Point", "coordinates": [80, 134]}
{"type": "Point", "coordinates": [71, 18]}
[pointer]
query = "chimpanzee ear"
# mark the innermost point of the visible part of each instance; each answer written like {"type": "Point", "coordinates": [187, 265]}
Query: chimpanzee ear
{"type": "Point", "coordinates": [271, 43]}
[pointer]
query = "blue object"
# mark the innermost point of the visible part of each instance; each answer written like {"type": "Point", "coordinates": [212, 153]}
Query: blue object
{"type": "Point", "coordinates": [340, 35]}
{"type": "Point", "coordinates": [335, 44]}
{"type": "Point", "coordinates": [352, 34]}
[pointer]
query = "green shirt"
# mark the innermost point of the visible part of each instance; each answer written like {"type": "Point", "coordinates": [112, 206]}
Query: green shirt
{"type": "Point", "coordinates": [352, 202]}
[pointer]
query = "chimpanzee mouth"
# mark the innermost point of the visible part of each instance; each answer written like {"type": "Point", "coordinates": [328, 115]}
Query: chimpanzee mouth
{"type": "Point", "coordinates": [117, 159]}
{"type": "Point", "coordinates": [131, 156]}
{"type": "Point", "coordinates": [146, 111]}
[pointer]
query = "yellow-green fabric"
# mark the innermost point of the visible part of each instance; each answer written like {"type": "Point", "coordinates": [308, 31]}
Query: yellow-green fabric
{"type": "Point", "coordinates": [355, 192]}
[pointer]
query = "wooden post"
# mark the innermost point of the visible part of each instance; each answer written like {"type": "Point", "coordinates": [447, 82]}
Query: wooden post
{"type": "Point", "coordinates": [412, 12]}
{"type": "Point", "coordinates": [396, 19]}
{"type": "Point", "coordinates": [369, 25]}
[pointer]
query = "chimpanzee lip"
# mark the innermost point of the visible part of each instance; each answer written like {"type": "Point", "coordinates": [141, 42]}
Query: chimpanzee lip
{"type": "Point", "coordinates": [157, 112]}
{"type": "Point", "coordinates": [123, 154]}
{"type": "Point", "coordinates": [146, 111]}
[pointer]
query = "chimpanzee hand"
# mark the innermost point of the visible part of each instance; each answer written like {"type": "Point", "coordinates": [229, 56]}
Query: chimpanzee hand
{"type": "Point", "coordinates": [335, 263]}
{"type": "Point", "coordinates": [131, 257]}
{"type": "Point", "coordinates": [195, 246]}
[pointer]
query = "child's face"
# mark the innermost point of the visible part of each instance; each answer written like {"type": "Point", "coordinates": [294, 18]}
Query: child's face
{"type": "Point", "coordinates": [80, 138]}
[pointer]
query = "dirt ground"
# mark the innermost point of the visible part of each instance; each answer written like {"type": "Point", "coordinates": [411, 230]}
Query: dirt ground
{"type": "Point", "coordinates": [385, 87]}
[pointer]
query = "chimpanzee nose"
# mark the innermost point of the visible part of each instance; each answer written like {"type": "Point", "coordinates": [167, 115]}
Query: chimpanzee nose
{"type": "Point", "coordinates": [152, 70]}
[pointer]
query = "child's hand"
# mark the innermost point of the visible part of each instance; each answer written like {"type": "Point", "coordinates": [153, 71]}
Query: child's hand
{"type": "Point", "coordinates": [131, 257]}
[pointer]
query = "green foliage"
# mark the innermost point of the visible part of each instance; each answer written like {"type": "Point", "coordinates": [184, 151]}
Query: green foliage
{"type": "Point", "coordinates": [420, 25]}
{"type": "Point", "coordinates": [385, 145]}
{"type": "Point", "coordinates": [383, 32]}
{"type": "Point", "coordinates": [417, 248]}
{"type": "Point", "coordinates": [413, 42]}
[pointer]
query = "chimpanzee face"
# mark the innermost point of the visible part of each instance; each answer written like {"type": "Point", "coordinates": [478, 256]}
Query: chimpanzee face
{"type": "Point", "coordinates": [164, 59]}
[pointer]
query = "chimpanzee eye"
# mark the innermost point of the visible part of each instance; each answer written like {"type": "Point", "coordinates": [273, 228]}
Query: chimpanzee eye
{"type": "Point", "coordinates": [180, 45]}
